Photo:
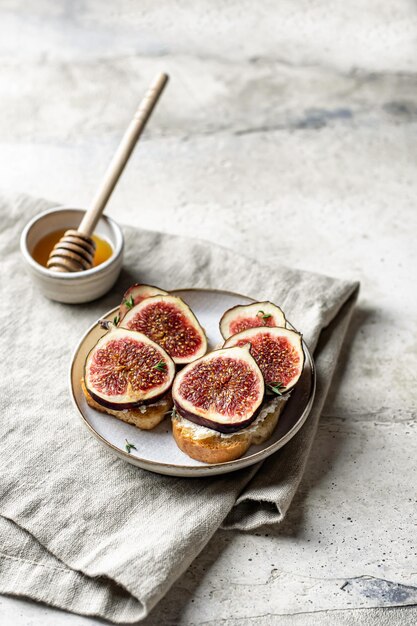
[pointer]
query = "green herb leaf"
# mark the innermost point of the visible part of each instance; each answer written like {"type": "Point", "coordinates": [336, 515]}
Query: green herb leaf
{"type": "Point", "coordinates": [129, 446]}
{"type": "Point", "coordinates": [129, 303]}
{"type": "Point", "coordinates": [264, 315]}
{"type": "Point", "coordinates": [277, 388]}
{"type": "Point", "coordinates": [116, 320]}
{"type": "Point", "coordinates": [160, 366]}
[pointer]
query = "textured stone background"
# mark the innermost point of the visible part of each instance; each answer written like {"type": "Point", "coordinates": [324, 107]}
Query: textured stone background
{"type": "Point", "coordinates": [287, 132]}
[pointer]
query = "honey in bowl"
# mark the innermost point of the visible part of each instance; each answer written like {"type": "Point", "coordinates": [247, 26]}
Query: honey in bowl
{"type": "Point", "coordinates": [43, 248]}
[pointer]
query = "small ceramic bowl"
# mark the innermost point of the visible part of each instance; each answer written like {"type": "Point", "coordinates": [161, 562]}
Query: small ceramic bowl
{"type": "Point", "coordinates": [73, 287]}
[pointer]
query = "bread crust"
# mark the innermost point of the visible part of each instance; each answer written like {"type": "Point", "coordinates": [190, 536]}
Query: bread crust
{"type": "Point", "coordinates": [212, 449]}
{"type": "Point", "coordinates": [153, 415]}
{"type": "Point", "coordinates": [217, 449]}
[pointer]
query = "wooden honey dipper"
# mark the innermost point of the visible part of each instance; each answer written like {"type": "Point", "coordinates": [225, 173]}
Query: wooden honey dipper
{"type": "Point", "coordinates": [74, 252]}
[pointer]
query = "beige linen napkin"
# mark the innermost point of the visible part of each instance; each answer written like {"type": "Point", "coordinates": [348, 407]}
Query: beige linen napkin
{"type": "Point", "coordinates": [81, 529]}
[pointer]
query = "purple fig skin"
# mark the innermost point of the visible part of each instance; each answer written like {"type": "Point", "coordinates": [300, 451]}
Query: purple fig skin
{"type": "Point", "coordinates": [123, 309]}
{"type": "Point", "coordinates": [161, 389]}
{"type": "Point", "coordinates": [116, 406]}
{"type": "Point", "coordinates": [226, 429]}
{"type": "Point", "coordinates": [249, 336]}
{"type": "Point", "coordinates": [240, 307]}
{"type": "Point", "coordinates": [178, 305]}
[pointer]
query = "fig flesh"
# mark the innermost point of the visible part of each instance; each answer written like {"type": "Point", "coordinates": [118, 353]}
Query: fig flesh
{"type": "Point", "coordinates": [253, 315]}
{"type": "Point", "coordinates": [126, 369]}
{"type": "Point", "coordinates": [223, 390]}
{"type": "Point", "coordinates": [169, 321]}
{"type": "Point", "coordinates": [135, 294]}
{"type": "Point", "coordinates": [278, 352]}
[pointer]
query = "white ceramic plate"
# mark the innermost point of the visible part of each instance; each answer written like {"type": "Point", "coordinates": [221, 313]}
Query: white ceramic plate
{"type": "Point", "coordinates": [156, 449]}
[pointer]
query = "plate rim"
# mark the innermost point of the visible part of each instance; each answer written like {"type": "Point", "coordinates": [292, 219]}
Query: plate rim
{"type": "Point", "coordinates": [194, 470]}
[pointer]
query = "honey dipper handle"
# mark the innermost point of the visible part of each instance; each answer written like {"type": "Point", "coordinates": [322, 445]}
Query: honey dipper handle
{"type": "Point", "coordinates": [122, 155]}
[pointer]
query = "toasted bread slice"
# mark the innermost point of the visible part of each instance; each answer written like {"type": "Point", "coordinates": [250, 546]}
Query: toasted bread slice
{"type": "Point", "coordinates": [146, 417]}
{"type": "Point", "coordinates": [209, 446]}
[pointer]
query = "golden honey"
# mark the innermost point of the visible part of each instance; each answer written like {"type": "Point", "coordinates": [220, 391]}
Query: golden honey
{"type": "Point", "coordinates": [43, 248]}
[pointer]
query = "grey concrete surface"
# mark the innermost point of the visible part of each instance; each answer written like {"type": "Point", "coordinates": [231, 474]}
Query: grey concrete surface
{"type": "Point", "coordinates": [287, 132]}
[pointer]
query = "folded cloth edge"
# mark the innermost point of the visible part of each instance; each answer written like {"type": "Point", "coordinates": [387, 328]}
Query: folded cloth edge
{"type": "Point", "coordinates": [254, 507]}
{"type": "Point", "coordinates": [248, 494]}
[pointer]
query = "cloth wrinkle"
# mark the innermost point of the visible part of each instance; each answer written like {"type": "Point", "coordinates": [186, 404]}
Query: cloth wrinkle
{"type": "Point", "coordinates": [110, 539]}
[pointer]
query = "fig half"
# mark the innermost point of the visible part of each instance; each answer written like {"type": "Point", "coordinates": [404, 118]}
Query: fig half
{"type": "Point", "coordinates": [278, 352]}
{"type": "Point", "coordinates": [135, 294]}
{"type": "Point", "coordinates": [126, 369]}
{"type": "Point", "coordinates": [168, 321]}
{"type": "Point", "coordinates": [254, 315]}
{"type": "Point", "coordinates": [223, 390]}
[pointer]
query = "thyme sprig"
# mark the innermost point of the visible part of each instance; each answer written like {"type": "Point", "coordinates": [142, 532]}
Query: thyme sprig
{"type": "Point", "coordinates": [277, 388]}
{"type": "Point", "coordinates": [129, 446]}
{"type": "Point", "coordinates": [116, 319]}
{"type": "Point", "coordinates": [265, 316]}
{"type": "Point", "coordinates": [160, 366]}
{"type": "Point", "coordinates": [129, 303]}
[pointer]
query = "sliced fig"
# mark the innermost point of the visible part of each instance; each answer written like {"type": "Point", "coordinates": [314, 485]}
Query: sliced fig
{"type": "Point", "coordinates": [253, 315]}
{"type": "Point", "coordinates": [126, 369]}
{"type": "Point", "coordinates": [278, 352]}
{"type": "Point", "coordinates": [135, 294]}
{"type": "Point", "coordinates": [168, 321]}
{"type": "Point", "coordinates": [223, 390]}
